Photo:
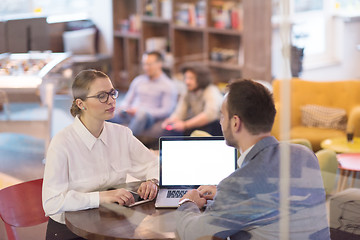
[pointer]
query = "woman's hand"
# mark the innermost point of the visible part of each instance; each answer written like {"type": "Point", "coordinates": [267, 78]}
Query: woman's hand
{"type": "Point", "coordinates": [120, 196]}
{"type": "Point", "coordinates": [179, 125]}
{"type": "Point", "coordinates": [148, 190]}
{"type": "Point", "coordinates": [207, 191]}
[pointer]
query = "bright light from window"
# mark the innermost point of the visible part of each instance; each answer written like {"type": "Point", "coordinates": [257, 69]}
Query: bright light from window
{"type": "Point", "coordinates": [310, 35]}
{"type": "Point", "coordinates": [45, 7]}
{"type": "Point", "coordinates": [307, 5]}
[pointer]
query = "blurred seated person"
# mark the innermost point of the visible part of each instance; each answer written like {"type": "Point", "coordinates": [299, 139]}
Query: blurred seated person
{"type": "Point", "coordinates": [199, 108]}
{"type": "Point", "coordinates": [152, 96]}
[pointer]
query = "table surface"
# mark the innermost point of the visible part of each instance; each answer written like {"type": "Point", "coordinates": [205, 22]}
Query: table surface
{"type": "Point", "coordinates": [341, 145]}
{"type": "Point", "coordinates": [112, 221]}
{"type": "Point", "coordinates": [349, 161]}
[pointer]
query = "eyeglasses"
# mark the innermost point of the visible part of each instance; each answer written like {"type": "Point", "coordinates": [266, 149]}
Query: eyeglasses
{"type": "Point", "coordinates": [104, 96]}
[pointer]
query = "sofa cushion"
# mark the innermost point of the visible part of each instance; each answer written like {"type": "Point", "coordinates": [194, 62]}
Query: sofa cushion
{"type": "Point", "coordinates": [315, 135]}
{"type": "Point", "coordinates": [323, 117]}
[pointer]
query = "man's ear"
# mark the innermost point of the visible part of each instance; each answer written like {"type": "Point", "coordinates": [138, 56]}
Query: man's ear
{"type": "Point", "coordinates": [236, 123]}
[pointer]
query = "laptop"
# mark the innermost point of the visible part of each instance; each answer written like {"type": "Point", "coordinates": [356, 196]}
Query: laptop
{"type": "Point", "coordinates": [188, 162]}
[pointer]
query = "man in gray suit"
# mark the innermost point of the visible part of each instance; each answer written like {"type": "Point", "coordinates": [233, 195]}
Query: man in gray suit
{"type": "Point", "coordinates": [245, 205]}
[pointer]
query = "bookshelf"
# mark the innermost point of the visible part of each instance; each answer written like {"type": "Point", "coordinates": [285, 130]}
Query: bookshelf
{"type": "Point", "coordinates": [232, 37]}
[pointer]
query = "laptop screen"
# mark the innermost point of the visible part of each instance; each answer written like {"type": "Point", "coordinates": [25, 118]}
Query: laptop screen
{"type": "Point", "coordinates": [194, 161]}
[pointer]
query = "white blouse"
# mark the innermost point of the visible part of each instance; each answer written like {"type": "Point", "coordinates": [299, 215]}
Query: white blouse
{"type": "Point", "coordinates": [78, 166]}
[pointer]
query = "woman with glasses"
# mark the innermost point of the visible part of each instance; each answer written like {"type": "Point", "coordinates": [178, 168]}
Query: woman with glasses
{"type": "Point", "coordinates": [91, 156]}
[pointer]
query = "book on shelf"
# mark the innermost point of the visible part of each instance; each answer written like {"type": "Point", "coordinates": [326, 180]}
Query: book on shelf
{"type": "Point", "coordinates": [201, 13]}
{"type": "Point", "coordinates": [156, 44]}
{"type": "Point", "coordinates": [166, 9]}
{"type": "Point", "coordinates": [226, 15]}
{"type": "Point", "coordinates": [135, 23]}
{"type": "Point", "coordinates": [191, 14]}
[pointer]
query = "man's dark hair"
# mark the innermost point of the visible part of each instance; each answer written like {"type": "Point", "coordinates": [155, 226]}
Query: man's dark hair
{"type": "Point", "coordinates": [202, 73]}
{"type": "Point", "coordinates": [253, 104]}
{"type": "Point", "coordinates": [158, 55]}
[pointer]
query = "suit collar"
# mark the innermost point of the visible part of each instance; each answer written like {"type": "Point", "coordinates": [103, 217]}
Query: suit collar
{"type": "Point", "coordinates": [259, 146]}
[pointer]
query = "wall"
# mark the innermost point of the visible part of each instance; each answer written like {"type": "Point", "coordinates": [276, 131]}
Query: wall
{"type": "Point", "coordinates": [101, 14]}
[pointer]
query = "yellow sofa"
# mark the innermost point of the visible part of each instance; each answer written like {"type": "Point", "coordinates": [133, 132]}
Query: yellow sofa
{"type": "Point", "coordinates": [336, 94]}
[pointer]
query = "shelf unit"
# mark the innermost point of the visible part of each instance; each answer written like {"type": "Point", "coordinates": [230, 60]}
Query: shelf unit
{"type": "Point", "coordinates": [232, 37]}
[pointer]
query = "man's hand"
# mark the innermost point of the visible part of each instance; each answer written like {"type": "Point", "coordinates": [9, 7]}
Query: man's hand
{"type": "Point", "coordinates": [148, 190]}
{"type": "Point", "coordinates": [207, 191]}
{"type": "Point", "coordinates": [194, 195]}
{"type": "Point", "coordinates": [168, 121]}
{"type": "Point", "coordinates": [120, 196]}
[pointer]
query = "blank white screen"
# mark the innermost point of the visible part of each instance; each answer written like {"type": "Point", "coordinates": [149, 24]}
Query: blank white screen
{"type": "Point", "coordinates": [196, 162]}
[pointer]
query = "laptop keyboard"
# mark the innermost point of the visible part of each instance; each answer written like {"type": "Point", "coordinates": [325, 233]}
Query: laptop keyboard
{"type": "Point", "coordinates": [176, 193]}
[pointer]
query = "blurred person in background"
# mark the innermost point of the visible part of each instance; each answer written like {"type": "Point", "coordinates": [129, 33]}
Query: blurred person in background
{"type": "Point", "coordinates": [199, 108]}
{"type": "Point", "coordinates": [151, 97]}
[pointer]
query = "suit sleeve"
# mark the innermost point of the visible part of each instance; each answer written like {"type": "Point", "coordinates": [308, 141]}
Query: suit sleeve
{"type": "Point", "coordinates": [232, 211]}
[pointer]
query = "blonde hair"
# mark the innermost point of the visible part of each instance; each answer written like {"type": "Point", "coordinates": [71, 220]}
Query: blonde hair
{"type": "Point", "coordinates": [81, 87]}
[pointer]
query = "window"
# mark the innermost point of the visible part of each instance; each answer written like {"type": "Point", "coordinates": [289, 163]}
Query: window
{"type": "Point", "coordinates": [313, 29]}
{"type": "Point", "coordinates": [347, 6]}
{"type": "Point", "coordinates": [45, 7]}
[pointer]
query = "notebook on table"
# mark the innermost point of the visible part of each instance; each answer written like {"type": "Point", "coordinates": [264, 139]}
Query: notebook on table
{"type": "Point", "coordinates": [188, 162]}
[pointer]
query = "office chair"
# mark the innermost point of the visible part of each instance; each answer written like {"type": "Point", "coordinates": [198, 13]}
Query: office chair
{"type": "Point", "coordinates": [302, 141]}
{"type": "Point", "coordinates": [200, 133]}
{"type": "Point", "coordinates": [328, 166]}
{"type": "Point", "coordinates": [21, 206]}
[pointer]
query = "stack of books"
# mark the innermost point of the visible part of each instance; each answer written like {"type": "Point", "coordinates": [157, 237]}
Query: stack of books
{"type": "Point", "coordinates": [226, 15]}
{"type": "Point", "coordinates": [191, 14]}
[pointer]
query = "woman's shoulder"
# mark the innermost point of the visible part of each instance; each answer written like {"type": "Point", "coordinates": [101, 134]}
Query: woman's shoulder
{"type": "Point", "coordinates": [118, 133]}
{"type": "Point", "coordinates": [117, 128]}
{"type": "Point", "coordinates": [64, 136]}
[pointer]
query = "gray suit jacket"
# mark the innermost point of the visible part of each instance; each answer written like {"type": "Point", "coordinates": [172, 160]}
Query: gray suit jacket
{"type": "Point", "coordinates": [246, 205]}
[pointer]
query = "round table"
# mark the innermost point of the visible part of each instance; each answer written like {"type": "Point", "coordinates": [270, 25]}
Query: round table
{"type": "Point", "coordinates": [341, 145]}
{"type": "Point", "coordinates": [348, 158]}
{"type": "Point", "coordinates": [348, 163]}
{"type": "Point", "coordinates": [115, 222]}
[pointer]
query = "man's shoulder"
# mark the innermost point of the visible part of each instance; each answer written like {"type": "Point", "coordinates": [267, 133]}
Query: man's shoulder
{"type": "Point", "coordinates": [139, 78]}
{"type": "Point", "coordinates": [165, 79]}
{"type": "Point", "coordinates": [300, 149]}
